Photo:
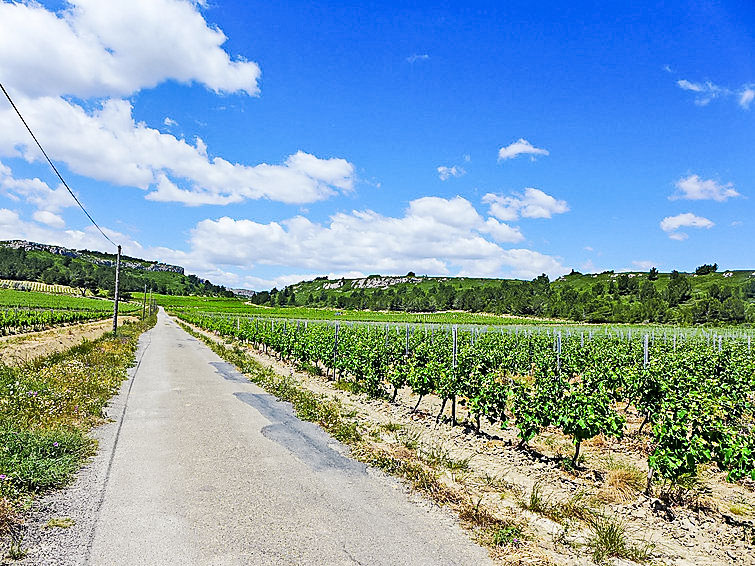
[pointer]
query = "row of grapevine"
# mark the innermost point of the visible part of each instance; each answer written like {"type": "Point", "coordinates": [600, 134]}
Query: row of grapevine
{"type": "Point", "coordinates": [696, 391]}
{"type": "Point", "coordinates": [24, 311]}
{"type": "Point", "coordinates": [12, 320]}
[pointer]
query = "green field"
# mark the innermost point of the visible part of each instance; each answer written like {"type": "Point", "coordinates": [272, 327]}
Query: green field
{"type": "Point", "coordinates": [240, 307]}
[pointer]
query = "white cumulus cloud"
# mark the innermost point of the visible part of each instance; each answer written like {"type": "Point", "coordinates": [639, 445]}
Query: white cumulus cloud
{"type": "Point", "coordinates": [435, 236]}
{"type": "Point", "coordinates": [445, 173]}
{"type": "Point", "coordinates": [520, 147]}
{"type": "Point", "coordinates": [695, 188]}
{"type": "Point", "coordinates": [533, 203]}
{"type": "Point", "coordinates": [47, 229]}
{"type": "Point", "coordinates": [34, 191]}
{"type": "Point", "coordinates": [101, 51]}
{"type": "Point", "coordinates": [672, 224]}
{"type": "Point", "coordinates": [114, 48]}
{"type": "Point", "coordinates": [49, 218]}
{"type": "Point", "coordinates": [107, 144]}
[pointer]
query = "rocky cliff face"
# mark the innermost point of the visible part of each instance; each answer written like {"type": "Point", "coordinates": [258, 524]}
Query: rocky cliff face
{"type": "Point", "coordinates": [59, 250]}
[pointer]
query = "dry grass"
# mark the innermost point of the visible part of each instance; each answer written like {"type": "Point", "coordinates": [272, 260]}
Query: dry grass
{"type": "Point", "coordinates": [623, 483]}
{"type": "Point", "coordinates": [9, 517]}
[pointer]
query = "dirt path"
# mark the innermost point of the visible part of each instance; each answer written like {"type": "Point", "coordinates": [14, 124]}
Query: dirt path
{"type": "Point", "coordinates": [20, 348]}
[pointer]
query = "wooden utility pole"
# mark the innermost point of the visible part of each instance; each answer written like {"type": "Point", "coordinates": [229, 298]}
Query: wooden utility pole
{"type": "Point", "coordinates": [115, 306]}
{"type": "Point", "coordinates": [144, 306]}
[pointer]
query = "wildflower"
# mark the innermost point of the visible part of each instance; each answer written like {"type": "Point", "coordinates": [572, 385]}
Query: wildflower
{"type": "Point", "coordinates": [3, 477]}
{"type": "Point", "coordinates": [55, 444]}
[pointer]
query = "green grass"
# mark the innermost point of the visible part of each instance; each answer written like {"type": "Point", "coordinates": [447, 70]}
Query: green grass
{"type": "Point", "coordinates": [577, 506]}
{"type": "Point", "coordinates": [507, 535]}
{"type": "Point", "coordinates": [435, 454]}
{"type": "Point", "coordinates": [60, 523]}
{"type": "Point", "coordinates": [36, 460]}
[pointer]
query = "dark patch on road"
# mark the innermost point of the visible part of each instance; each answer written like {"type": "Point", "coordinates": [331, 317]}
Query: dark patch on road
{"type": "Point", "coordinates": [229, 372]}
{"type": "Point", "coordinates": [307, 441]}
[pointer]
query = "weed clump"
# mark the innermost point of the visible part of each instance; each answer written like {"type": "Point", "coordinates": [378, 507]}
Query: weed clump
{"type": "Point", "coordinates": [609, 540]}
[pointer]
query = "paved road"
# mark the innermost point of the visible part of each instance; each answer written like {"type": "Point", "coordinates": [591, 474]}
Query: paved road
{"type": "Point", "coordinates": [208, 469]}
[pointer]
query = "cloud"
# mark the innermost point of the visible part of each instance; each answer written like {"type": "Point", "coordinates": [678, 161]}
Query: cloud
{"type": "Point", "coordinates": [34, 191]}
{"type": "Point", "coordinates": [588, 267]}
{"type": "Point", "coordinates": [707, 91]}
{"type": "Point", "coordinates": [47, 229]}
{"type": "Point", "coordinates": [534, 203]}
{"type": "Point", "coordinates": [417, 57]}
{"type": "Point", "coordinates": [49, 218]}
{"type": "Point", "coordinates": [96, 48]}
{"type": "Point", "coordinates": [98, 51]}
{"type": "Point", "coordinates": [107, 144]}
{"type": "Point", "coordinates": [695, 188]}
{"type": "Point", "coordinates": [645, 264]}
{"type": "Point", "coordinates": [746, 97]}
{"type": "Point", "coordinates": [435, 236]}
{"type": "Point", "coordinates": [445, 173]}
{"type": "Point", "coordinates": [671, 224]}
{"type": "Point", "coordinates": [520, 147]}
{"type": "Point", "coordinates": [502, 232]}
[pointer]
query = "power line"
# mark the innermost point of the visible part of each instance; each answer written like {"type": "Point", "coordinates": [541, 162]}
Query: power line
{"type": "Point", "coordinates": [53, 166]}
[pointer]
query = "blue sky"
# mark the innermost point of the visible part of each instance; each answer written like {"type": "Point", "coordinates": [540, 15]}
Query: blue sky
{"type": "Point", "coordinates": [260, 144]}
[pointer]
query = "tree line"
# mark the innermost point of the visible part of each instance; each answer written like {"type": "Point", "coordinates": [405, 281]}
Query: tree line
{"type": "Point", "coordinates": [22, 265]}
{"type": "Point", "coordinates": [625, 298]}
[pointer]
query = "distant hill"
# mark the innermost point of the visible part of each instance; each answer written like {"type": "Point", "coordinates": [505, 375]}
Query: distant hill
{"type": "Point", "coordinates": [85, 269]}
{"type": "Point", "coordinates": [710, 296]}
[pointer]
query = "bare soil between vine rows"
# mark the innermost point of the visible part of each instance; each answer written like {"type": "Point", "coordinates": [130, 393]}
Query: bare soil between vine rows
{"type": "Point", "coordinates": [17, 349]}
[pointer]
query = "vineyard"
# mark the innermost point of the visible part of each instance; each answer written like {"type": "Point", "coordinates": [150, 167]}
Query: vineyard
{"type": "Point", "coordinates": [223, 305]}
{"type": "Point", "coordinates": [25, 311]}
{"type": "Point", "coordinates": [695, 390]}
{"type": "Point", "coordinates": [40, 287]}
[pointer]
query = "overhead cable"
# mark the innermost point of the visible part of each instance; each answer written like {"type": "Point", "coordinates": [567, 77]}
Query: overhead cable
{"type": "Point", "coordinates": [53, 166]}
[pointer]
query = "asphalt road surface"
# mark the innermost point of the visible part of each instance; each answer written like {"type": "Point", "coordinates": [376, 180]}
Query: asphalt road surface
{"type": "Point", "coordinates": [208, 469]}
